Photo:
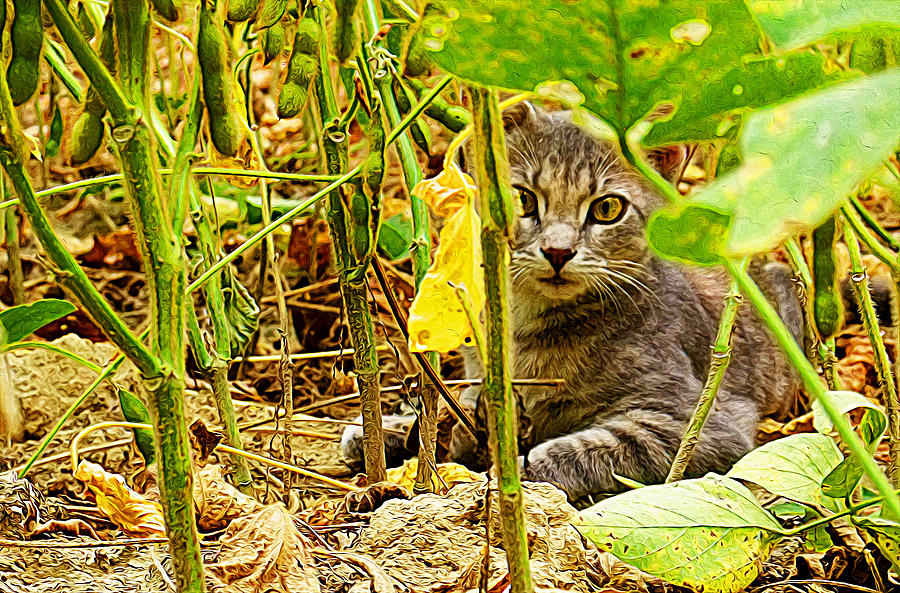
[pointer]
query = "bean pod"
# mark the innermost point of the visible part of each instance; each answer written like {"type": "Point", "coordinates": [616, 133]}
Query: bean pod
{"type": "Point", "coordinates": [828, 305]}
{"type": "Point", "coordinates": [87, 133]}
{"type": "Point", "coordinates": [241, 10]}
{"type": "Point", "coordinates": [346, 29]}
{"type": "Point", "coordinates": [301, 69]}
{"type": "Point", "coordinates": [218, 91]}
{"type": "Point", "coordinates": [27, 37]}
{"type": "Point", "coordinates": [273, 40]}
{"type": "Point", "coordinates": [167, 9]}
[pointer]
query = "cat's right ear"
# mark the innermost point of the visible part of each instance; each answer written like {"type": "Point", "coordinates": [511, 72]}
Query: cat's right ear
{"type": "Point", "coordinates": [518, 115]}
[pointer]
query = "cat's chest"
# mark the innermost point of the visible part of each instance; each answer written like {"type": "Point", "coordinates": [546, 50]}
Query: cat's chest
{"type": "Point", "coordinates": [577, 365]}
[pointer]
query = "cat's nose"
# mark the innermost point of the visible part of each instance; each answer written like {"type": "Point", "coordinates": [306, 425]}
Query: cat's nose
{"type": "Point", "coordinates": [558, 257]}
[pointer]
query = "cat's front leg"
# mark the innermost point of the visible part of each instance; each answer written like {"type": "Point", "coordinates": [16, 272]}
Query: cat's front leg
{"type": "Point", "coordinates": [638, 444]}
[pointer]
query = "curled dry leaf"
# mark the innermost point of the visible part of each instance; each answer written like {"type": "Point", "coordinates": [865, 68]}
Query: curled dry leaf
{"type": "Point", "coordinates": [132, 512]}
{"type": "Point", "coordinates": [264, 552]}
{"type": "Point", "coordinates": [217, 501]}
{"type": "Point", "coordinates": [437, 320]}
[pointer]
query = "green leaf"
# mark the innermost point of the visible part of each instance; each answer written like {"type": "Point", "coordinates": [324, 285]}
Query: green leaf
{"type": "Point", "coordinates": [795, 23]}
{"type": "Point", "coordinates": [708, 533]}
{"type": "Point", "coordinates": [23, 320]}
{"type": "Point", "coordinates": [885, 534]}
{"type": "Point", "coordinates": [395, 236]}
{"type": "Point", "coordinates": [626, 58]}
{"type": "Point", "coordinates": [134, 410]}
{"type": "Point", "coordinates": [792, 467]}
{"type": "Point", "coordinates": [801, 161]}
{"type": "Point", "coordinates": [871, 427]}
{"type": "Point", "coordinates": [844, 479]}
{"type": "Point", "coordinates": [242, 312]}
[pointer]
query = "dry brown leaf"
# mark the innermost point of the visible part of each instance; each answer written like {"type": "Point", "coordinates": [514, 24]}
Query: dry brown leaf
{"type": "Point", "coordinates": [263, 552]}
{"type": "Point", "coordinates": [132, 512]}
{"type": "Point", "coordinates": [217, 501]}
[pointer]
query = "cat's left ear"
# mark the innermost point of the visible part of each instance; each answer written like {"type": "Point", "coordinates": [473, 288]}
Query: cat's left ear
{"type": "Point", "coordinates": [668, 160]}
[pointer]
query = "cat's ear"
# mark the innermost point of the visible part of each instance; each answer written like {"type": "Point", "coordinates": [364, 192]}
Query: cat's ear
{"type": "Point", "coordinates": [518, 115]}
{"type": "Point", "coordinates": [668, 160]}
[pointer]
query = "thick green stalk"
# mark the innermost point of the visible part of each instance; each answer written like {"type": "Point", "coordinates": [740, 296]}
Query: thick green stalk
{"type": "Point", "coordinates": [492, 175]}
{"type": "Point", "coordinates": [718, 364]}
{"type": "Point", "coordinates": [860, 279]}
{"type": "Point", "coordinates": [163, 259]}
{"type": "Point", "coordinates": [803, 277]}
{"type": "Point", "coordinates": [352, 272]}
{"type": "Point", "coordinates": [814, 385]}
{"type": "Point", "coordinates": [421, 261]}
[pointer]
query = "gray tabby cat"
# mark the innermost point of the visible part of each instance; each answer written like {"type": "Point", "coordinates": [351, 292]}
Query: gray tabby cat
{"type": "Point", "coordinates": [629, 333]}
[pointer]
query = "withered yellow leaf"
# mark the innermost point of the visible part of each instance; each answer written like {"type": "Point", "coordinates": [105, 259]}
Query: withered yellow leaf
{"type": "Point", "coordinates": [450, 474]}
{"type": "Point", "coordinates": [132, 512]}
{"type": "Point", "coordinates": [437, 320]}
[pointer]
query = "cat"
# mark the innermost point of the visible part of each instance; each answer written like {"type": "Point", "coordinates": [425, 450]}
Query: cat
{"type": "Point", "coordinates": [627, 332]}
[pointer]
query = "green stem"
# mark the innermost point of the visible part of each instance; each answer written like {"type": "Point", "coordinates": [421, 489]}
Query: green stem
{"type": "Point", "coordinates": [105, 374]}
{"type": "Point", "coordinates": [860, 279]}
{"type": "Point", "coordinates": [52, 348]}
{"type": "Point", "coordinates": [421, 261]}
{"type": "Point", "coordinates": [352, 272]}
{"type": "Point", "coordinates": [848, 511]}
{"type": "Point", "coordinates": [721, 356]}
{"type": "Point", "coordinates": [888, 257]}
{"type": "Point", "coordinates": [814, 385]}
{"type": "Point", "coordinates": [872, 223]}
{"type": "Point", "coordinates": [492, 172]}
{"type": "Point", "coordinates": [100, 78]}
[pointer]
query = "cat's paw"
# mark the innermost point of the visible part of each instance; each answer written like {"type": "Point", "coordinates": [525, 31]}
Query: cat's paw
{"type": "Point", "coordinates": [395, 449]}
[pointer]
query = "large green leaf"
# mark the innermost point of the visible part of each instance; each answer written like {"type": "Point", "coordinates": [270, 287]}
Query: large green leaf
{"type": "Point", "coordinates": [627, 58]}
{"type": "Point", "coordinates": [20, 321]}
{"type": "Point", "coordinates": [708, 533]}
{"type": "Point", "coordinates": [795, 23]}
{"type": "Point", "coordinates": [792, 467]}
{"type": "Point", "coordinates": [801, 161]}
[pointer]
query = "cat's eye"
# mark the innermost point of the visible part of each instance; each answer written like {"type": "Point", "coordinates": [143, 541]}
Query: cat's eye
{"type": "Point", "coordinates": [607, 210]}
{"type": "Point", "coordinates": [528, 200]}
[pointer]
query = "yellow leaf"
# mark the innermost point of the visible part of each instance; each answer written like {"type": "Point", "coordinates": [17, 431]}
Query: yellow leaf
{"type": "Point", "coordinates": [437, 320]}
{"type": "Point", "coordinates": [451, 474]}
{"type": "Point", "coordinates": [133, 513]}
{"type": "Point", "coordinates": [447, 192]}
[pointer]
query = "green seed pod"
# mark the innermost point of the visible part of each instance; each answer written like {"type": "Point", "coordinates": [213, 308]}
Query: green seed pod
{"type": "Point", "coordinates": [87, 133]}
{"type": "Point", "coordinates": [301, 71]}
{"type": "Point", "coordinates": [346, 29]}
{"type": "Point", "coordinates": [241, 10]}
{"type": "Point", "coordinates": [27, 37]}
{"type": "Point", "coordinates": [417, 129]}
{"type": "Point", "coordinates": [218, 92]}
{"type": "Point", "coordinates": [828, 306]}
{"type": "Point", "coordinates": [270, 12]}
{"type": "Point", "coordinates": [273, 40]}
{"type": "Point", "coordinates": [167, 9]}
{"type": "Point", "coordinates": [452, 117]}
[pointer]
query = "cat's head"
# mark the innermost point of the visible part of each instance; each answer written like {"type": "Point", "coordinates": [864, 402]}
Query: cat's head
{"type": "Point", "coordinates": [581, 211]}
